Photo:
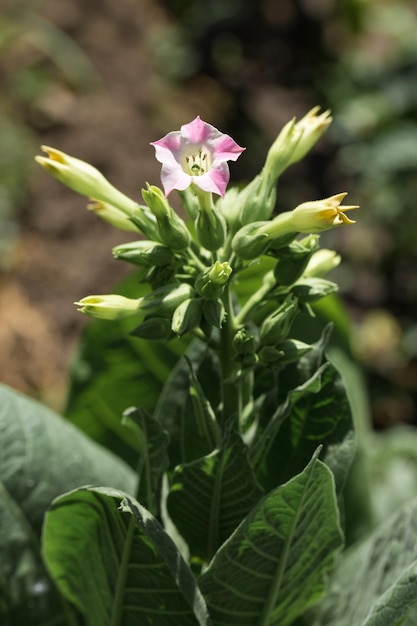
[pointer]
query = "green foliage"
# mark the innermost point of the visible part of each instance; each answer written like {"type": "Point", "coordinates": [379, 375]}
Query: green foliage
{"type": "Point", "coordinates": [211, 495]}
{"type": "Point", "coordinates": [275, 564]}
{"type": "Point", "coordinates": [42, 457]}
{"type": "Point", "coordinates": [114, 561]}
{"type": "Point", "coordinates": [374, 583]}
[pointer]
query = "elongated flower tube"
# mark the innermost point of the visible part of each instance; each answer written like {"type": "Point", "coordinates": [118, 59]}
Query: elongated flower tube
{"type": "Point", "coordinates": [112, 215]}
{"type": "Point", "coordinates": [197, 155]}
{"type": "Point", "coordinates": [84, 179]}
{"type": "Point", "coordinates": [109, 306]}
{"type": "Point", "coordinates": [316, 216]}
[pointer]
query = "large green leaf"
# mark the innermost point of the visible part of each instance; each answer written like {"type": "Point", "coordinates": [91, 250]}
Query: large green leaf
{"type": "Point", "coordinates": [153, 458]}
{"type": "Point", "coordinates": [315, 413]}
{"type": "Point", "coordinates": [112, 559]}
{"type": "Point", "coordinates": [42, 456]}
{"type": "Point", "coordinates": [275, 564]}
{"type": "Point", "coordinates": [192, 383]}
{"type": "Point", "coordinates": [375, 582]}
{"type": "Point", "coordinates": [210, 496]}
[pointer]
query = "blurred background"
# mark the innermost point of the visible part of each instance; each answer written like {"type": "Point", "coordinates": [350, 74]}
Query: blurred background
{"type": "Point", "coordinates": [101, 79]}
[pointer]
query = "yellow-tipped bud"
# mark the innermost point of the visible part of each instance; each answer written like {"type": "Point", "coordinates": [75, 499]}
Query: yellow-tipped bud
{"type": "Point", "coordinates": [109, 306]}
{"type": "Point", "coordinates": [319, 215]}
{"type": "Point", "coordinates": [83, 178]}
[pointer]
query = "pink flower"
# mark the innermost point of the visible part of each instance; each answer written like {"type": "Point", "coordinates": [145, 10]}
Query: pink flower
{"type": "Point", "coordinates": [197, 154]}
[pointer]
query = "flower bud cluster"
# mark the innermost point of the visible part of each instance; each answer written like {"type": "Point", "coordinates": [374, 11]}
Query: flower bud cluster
{"type": "Point", "coordinates": [194, 264]}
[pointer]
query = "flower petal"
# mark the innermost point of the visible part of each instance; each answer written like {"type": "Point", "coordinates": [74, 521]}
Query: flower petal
{"type": "Point", "coordinates": [225, 148]}
{"type": "Point", "coordinates": [197, 131]}
{"type": "Point", "coordinates": [174, 177]}
{"type": "Point", "coordinates": [215, 180]}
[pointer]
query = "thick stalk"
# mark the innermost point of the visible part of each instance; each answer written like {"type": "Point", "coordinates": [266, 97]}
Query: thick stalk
{"type": "Point", "coordinates": [231, 395]}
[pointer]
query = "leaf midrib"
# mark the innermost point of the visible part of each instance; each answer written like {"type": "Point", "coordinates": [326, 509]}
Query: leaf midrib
{"type": "Point", "coordinates": [275, 589]}
{"type": "Point", "coordinates": [117, 609]}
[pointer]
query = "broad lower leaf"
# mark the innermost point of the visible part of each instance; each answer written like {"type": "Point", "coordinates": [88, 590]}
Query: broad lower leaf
{"type": "Point", "coordinates": [42, 456]}
{"type": "Point", "coordinates": [112, 559]}
{"type": "Point", "coordinates": [209, 497]}
{"type": "Point", "coordinates": [153, 458]}
{"type": "Point", "coordinates": [375, 581]}
{"type": "Point", "coordinates": [276, 563]}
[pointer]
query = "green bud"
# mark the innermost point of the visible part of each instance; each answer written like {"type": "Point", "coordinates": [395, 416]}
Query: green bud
{"type": "Point", "coordinates": [159, 276]}
{"type": "Point", "coordinates": [247, 361]}
{"type": "Point", "coordinates": [157, 328]}
{"type": "Point", "coordinates": [309, 290]}
{"type": "Point", "coordinates": [109, 306]}
{"type": "Point", "coordinates": [172, 230]}
{"type": "Point", "coordinates": [84, 179]}
{"type": "Point", "coordinates": [259, 200]}
{"type": "Point", "coordinates": [244, 342]}
{"type": "Point", "coordinates": [211, 229]}
{"type": "Point", "coordinates": [293, 260]}
{"type": "Point", "coordinates": [312, 127]}
{"type": "Point", "coordinates": [250, 242]}
{"type": "Point", "coordinates": [276, 326]}
{"type": "Point", "coordinates": [292, 350]}
{"type": "Point", "coordinates": [322, 262]}
{"type": "Point", "coordinates": [281, 151]}
{"type": "Point", "coordinates": [144, 252]}
{"type": "Point", "coordinates": [210, 284]}
{"type": "Point", "coordinates": [186, 316]}
{"type": "Point", "coordinates": [164, 300]}
{"type": "Point", "coordinates": [270, 356]}
{"type": "Point", "coordinates": [145, 221]}
{"type": "Point", "coordinates": [214, 313]}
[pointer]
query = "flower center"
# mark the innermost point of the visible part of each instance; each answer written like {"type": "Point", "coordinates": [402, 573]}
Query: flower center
{"type": "Point", "coordinates": [197, 163]}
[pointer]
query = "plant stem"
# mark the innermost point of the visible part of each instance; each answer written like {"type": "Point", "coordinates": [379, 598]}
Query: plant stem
{"type": "Point", "coordinates": [231, 395]}
{"type": "Point", "coordinates": [256, 298]}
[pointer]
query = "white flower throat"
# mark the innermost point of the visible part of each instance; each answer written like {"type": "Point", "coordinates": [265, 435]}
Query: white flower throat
{"type": "Point", "coordinates": [197, 163]}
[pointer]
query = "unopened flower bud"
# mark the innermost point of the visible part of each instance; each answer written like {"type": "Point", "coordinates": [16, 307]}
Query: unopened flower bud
{"type": "Point", "coordinates": [155, 328]}
{"type": "Point", "coordinates": [280, 153]}
{"type": "Point", "coordinates": [211, 229]}
{"type": "Point", "coordinates": [84, 179]}
{"type": "Point", "coordinates": [292, 349]}
{"type": "Point", "coordinates": [214, 313]}
{"type": "Point", "coordinates": [109, 306]}
{"type": "Point", "coordinates": [308, 290]}
{"type": "Point", "coordinates": [172, 230]}
{"type": "Point", "coordinates": [186, 316]}
{"type": "Point", "coordinates": [322, 262]}
{"type": "Point", "coordinates": [312, 127]}
{"type": "Point", "coordinates": [276, 326]}
{"type": "Point", "coordinates": [257, 199]}
{"type": "Point", "coordinates": [164, 300]}
{"type": "Point", "coordinates": [112, 215]}
{"type": "Point", "coordinates": [244, 342]}
{"type": "Point", "coordinates": [293, 260]}
{"type": "Point", "coordinates": [211, 282]}
{"type": "Point", "coordinates": [250, 241]}
{"type": "Point", "coordinates": [144, 252]}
